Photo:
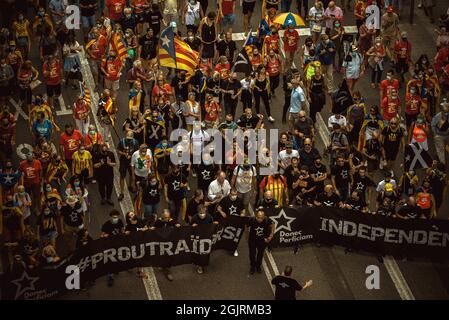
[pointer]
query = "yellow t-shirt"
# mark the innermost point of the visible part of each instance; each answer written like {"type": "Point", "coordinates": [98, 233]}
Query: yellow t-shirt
{"type": "Point", "coordinates": [21, 28]}
{"type": "Point", "coordinates": [81, 162]}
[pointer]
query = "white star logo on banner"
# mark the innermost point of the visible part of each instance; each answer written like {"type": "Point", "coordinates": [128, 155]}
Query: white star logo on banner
{"type": "Point", "coordinates": [279, 227]}
{"type": "Point", "coordinates": [24, 283]}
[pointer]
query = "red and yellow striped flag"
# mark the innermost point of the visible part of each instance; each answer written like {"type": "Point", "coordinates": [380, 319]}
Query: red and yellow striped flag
{"type": "Point", "coordinates": [119, 46]}
{"type": "Point", "coordinates": [186, 57]}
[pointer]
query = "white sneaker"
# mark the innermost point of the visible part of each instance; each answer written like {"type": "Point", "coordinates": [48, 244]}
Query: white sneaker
{"type": "Point", "coordinates": [271, 119]}
{"type": "Point", "coordinates": [236, 253]}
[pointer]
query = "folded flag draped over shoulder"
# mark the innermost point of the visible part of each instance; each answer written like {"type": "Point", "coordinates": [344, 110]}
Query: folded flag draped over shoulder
{"type": "Point", "coordinates": [175, 53]}
{"type": "Point", "coordinates": [9, 180]}
{"type": "Point", "coordinates": [242, 63]}
{"type": "Point", "coordinates": [119, 46]}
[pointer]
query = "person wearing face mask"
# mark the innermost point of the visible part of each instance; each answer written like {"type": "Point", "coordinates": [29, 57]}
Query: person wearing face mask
{"type": "Point", "coordinates": [32, 178]}
{"type": "Point", "coordinates": [192, 40]}
{"type": "Point", "coordinates": [391, 106]}
{"type": "Point", "coordinates": [232, 90]}
{"type": "Point", "coordinates": [51, 199]}
{"type": "Point", "coordinates": [202, 217]}
{"type": "Point", "coordinates": [440, 129]}
{"type": "Point", "coordinates": [41, 22]}
{"type": "Point", "coordinates": [125, 149]}
{"type": "Point", "coordinates": [388, 85]}
{"type": "Point", "coordinates": [376, 55]}
{"type": "Point", "coordinates": [326, 53]}
{"type": "Point", "coordinates": [412, 105]}
{"type": "Point", "coordinates": [261, 232]}
{"type": "Point", "coordinates": [271, 41]}
{"type": "Point", "coordinates": [111, 68]}
{"type": "Point", "coordinates": [361, 183]}
{"type": "Point", "coordinates": [175, 185]}
{"type": "Point", "coordinates": [331, 14]}
{"type": "Point", "coordinates": [403, 54]}
{"type": "Point", "coordinates": [275, 67]}
{"type": "Point", "coordinates": [93, 139]}
{"type": "Point", "coordinates": [131, 20]}
{"type": "Point", "coordinates": [57, 172]}
{"type": "Point", "coordinates": [70, 141]}
{"type": "Point", "coordinates": [354, 67]}
{"type": "Point", "coordinates": [21, 30]}
{"type": "Point", "coordinates": [291, 41]}
{"type": "Point", "coordinates": [231, 205]}
{"type": "Point", "coordinates": [82, 165]}
{"type": "Point", "coordinates": [419, 132]}
{"type": "Point", "coordinates": [81, 114]}
{"type": "Point", "coordinates": [390, 30]}
{"type": "Point", "coordinates": [244, 180]}
{"type": "Point", "coordinates": [47, 226]}
{"type": "Point", "coordinates": [114, 226]}
{"type": "Point", "coordinates": [23, 201]}
{"type": "Point", "coordinates": [192, 14]}
{"type": "Point", "coordinates": [104, 162]}
{"type": "Point", "coordinates": [149, 193]}
{"type": "Point", "coordinates": [72, 215]}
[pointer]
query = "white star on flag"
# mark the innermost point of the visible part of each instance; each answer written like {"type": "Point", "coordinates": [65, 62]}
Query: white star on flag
{"type": "Point", "coordinates": [165, 41]}
{"type": "Point", "coordinates": [8, 179]}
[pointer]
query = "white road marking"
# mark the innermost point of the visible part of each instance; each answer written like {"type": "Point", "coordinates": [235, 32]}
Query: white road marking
{"type": "Point", "coordinates": [64, 111]}
{"type": "Point", "coordinates": [19, 110]}
{"type": "Point", "coordinates": [151, 286]}
{"type": "Point", "coordinates": [391, 265]}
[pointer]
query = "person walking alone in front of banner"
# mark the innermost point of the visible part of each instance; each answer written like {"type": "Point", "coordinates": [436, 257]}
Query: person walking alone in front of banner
{"type": "Point", "coordinates": [261, 232]}
{"type": "Point", "coordinates": [112, 227]}
{"type": "Point", "coordinates": [286, 286]}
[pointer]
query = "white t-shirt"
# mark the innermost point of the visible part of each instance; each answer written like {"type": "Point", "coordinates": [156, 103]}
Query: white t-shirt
{"type": "Point", "coordinates": [244, 181]}
{"type": "Point", "coordinates": [142, 167]}
{"type": "Point", "coordinates": [193, 108]}
{"type": "Point", "coordinates": [286, 159]}
{"type": "Point", "coordinates": [316, 14]}
{"type": "Point", "coordinates": [333, 119]}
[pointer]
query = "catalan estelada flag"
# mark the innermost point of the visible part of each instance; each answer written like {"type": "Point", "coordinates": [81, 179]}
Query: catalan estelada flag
{"type": "Point", "coordinates": [119, 46]}
{"type": "Point", "coordinates": [175, 53]}
{"type": "Point", "coordinates": [85, 93]}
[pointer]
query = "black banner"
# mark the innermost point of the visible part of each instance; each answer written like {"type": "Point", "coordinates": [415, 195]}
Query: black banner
{"type": "Point", "coordinates": [186, 245]}
{"type": "Point", "coordinates": [157, 248]}
{"type": "Point", "coordinates": [367, 232]}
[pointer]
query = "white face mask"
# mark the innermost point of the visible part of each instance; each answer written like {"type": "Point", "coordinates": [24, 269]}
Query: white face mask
{"type": "Point", "coordinates": [202, 215]}
{"type": "Point", "coordinates": [114, 220]}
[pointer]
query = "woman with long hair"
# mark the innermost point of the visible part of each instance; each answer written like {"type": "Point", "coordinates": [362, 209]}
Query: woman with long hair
{"type": "Point", "coordinates": [261, 90]}
{"type": "Point", "coordinates": [317, 94]}
{"type": "Point", "coordinates": [376, 55]}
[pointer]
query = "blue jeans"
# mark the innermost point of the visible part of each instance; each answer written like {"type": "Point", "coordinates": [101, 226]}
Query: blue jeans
{"type": "Point", "coordinates": [228, 19]}
{"type": "Point", "coordinates": [149, 209]}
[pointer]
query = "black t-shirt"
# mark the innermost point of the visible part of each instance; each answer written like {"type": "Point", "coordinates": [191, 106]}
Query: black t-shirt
{"type": "Point", "coordinates": [164, 224]}
{"type": "Point", "coordinates": [291, 175]}
{"type": "Point", "coordinates": [411, 212]}
{"type": "Point", "coordinates": [149, 46]}
{"type": "Point", "coordinates": [308, 158]}
{"type": "Point", "coordinates": [151, 194]}
{"type": "Point", "coordinates": [181, 90]}
{"type": "Point", "coordinates": [47, 223]}
{"type": "Point", "coordinates": [246, 123]}
{"type": "Point", "coordinates": [328, 201]}
{"type": "Point", "coordinates": [175, 191]}
{"type": "Point", "coordinates": [128, 23]}
{"type": "Point", "coordinates": [194, 44]}
{"type": "Point", "coordinates": [230, 207]}
{"type": "Point", "coordinates": [135, 227]}
{"type": "Point", "coordinates": [206, 174]}
{"type": "Point", "coordinates": [154, 18]}
{"type": "Point", "coordinates": [318, 172]}
{"type": "Point", "coordinates": [356, 205]}
{"type": "Point", "coordinates": [212, 87]}
{"type": "Point", "coordinates": [385, 211]}
{"type": "Point", "coordinates": [112, 229]}
{"type": "Point", "coordinates": [361, 183]}
{"type": "Point", "coordinates": [341, 174]}
{"type": "Point", "coordinates": [231, 85]}
{"type": "Point", "coordinates": [129, 146]}
{"type": "Point", "coordinates": [392, 138]}
{"type": "Point", "coordinates": [306, 183]}
{"type": "Point", "coordinates": [259, 231]}
{"type": "Point", "coordinates": [304, 127]}
{"type": "Point", "coordinates": [192, 207]}
{"type": "Point", "coordinates": [285, 288]}
{"type": "Point", "coordinates": [267, 204]}
{"type": "Point", "coordinates": [226, 49]}
{"type": "Point", "coordinates": [88, 12]}
{"type": "Point", "coordinates": [104, 171]}
{"type": "Point", "coordinates": [73, 217]}
{"type": "Point", "coordinates": [154, 132]}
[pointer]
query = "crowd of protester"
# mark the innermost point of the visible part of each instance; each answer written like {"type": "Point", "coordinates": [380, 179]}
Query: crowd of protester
{"type": "Point", "coordinates": [45, 196]}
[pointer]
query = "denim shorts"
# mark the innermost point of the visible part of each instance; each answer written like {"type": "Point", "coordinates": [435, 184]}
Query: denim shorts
{"type": "Point", "coordinates": [228, 19]}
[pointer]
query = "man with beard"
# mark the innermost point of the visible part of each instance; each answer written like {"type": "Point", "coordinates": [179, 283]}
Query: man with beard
{"type": "Point", "coordinates": [175, 193]}
{"type": "Point", "coordinates": [104, 162]}
{"type": "Point", "coordinates": [318, 171]}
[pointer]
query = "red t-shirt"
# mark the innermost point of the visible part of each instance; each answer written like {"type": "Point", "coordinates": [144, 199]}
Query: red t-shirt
{"type": "Point", "coordinates": [412, 104]}
{"type": "Point", "coordinates": [272, 42]}
{"type": "Point", "coordinates": [164, 91]}
{"type": "Point", "coordinates": [214, 111]}
{"type": "Point", "coordinates": [98, 49]}
{"type": "Point", "coordinates": [386, 86]}
{"type": "Point", "coordinates": [273, 66]}
{"type": "Point", "coordinates": [70, 143]}
{"type": "Point", "coordinates": [6, 135]}
{"type": "Point", "coordinates": [227, 6]}
{"type": "Point", "coordinates": [224, 70]}
{"type": "Point", "coordinates": [403, 50]}
{"type": "Point", "coordinates": [31, 172]}
{"type": "Point", "coordinates": [291, 40]}
{"type": "Point", "coordinates": [115, 8]}
{"type": "Point", "coordinates": [390, 108]}
{"type": "Point", "coordinates": [113, 69]}
{"type": "Point", "coordinates": [54, 76]}
{"type": "Point", "coordinates": [81, 110]}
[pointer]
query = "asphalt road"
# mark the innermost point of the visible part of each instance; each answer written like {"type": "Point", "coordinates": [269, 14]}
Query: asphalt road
{"type": "Point", "coordinates": [336, 275]}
